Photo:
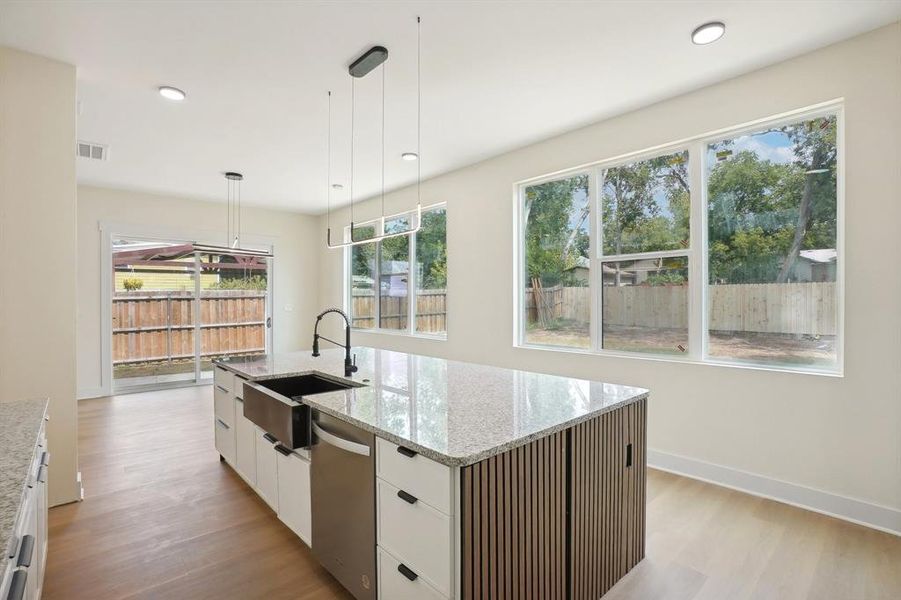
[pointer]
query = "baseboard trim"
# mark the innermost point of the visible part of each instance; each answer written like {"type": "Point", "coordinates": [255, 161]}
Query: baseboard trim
{"type": "Point", "coordinates": [87, 393]}
{"type": "Point", "coordinates": [856, 511]}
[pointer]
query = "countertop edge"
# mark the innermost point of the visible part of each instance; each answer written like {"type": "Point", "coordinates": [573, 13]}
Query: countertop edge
{"type": "Point", "coordinates": [471, 459]}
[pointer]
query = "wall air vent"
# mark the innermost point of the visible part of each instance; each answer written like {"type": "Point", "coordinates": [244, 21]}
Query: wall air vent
{"type": "Point", "coordinates": [92, 150]}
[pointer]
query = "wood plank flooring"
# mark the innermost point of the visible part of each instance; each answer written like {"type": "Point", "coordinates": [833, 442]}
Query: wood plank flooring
{"type": "Point", "coordinates": [164, 519]}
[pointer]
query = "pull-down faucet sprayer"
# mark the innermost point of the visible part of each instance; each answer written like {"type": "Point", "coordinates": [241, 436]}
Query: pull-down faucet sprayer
{"type": "Point", "coordinates": [350, 366]}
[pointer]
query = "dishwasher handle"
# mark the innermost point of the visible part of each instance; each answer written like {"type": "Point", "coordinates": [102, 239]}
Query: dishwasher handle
{"type": "Point", "coordinates": [338, 442]}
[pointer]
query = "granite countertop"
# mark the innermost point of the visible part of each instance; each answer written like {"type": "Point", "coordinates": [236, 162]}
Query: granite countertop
{"type": "Point", "coordinates": [456, 413]}
{"type": "Point", "coordinates": [20, 423]}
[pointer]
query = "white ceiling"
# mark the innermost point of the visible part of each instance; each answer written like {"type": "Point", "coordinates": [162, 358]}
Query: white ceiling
{"type": "Point", "coordinates": [496, 76]}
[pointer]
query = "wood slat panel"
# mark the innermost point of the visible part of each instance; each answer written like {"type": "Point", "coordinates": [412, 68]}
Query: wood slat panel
{"type": "Point", "coordinates": [515, 505]}
{"type": "Point", "coordinates": [607, 500]}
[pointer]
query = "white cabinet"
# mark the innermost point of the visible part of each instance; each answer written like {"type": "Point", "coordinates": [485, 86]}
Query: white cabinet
{"type": "Point", "coordinates": [225, 440]}
{"type": "Point", "coordinates": [416, 533]}
{"type": "Point", "coordinates": [267, 468]}
{"type": "Point", "coordinates": [224, 414]}
{"type": "Point", "coordinates": [414, 473]}
{"type": "Point", "coordinates": [398, 582]}
{"type": "Point", "coordinates": [294, 493]}
{"type": "Point", "coordinates": [245, 445]}
{"type": "Point", "coordinates": [23, 576]}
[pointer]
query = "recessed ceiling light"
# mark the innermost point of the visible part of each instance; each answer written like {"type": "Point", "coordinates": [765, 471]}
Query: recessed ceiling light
{"type": "Point", "coordinates": [337, 186]}
{"type": "Point", "coordinates": [172, 93]}
{"type": "Point", "coordinates": [409, 156]}
{"type": "Point", "coordinates": [708, 33]}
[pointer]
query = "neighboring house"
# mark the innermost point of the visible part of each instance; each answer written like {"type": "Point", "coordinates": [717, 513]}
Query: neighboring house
{"type": "Point", "coordinates": [815, 265]}
{"type": "Point", "coordinates": [393, 277]}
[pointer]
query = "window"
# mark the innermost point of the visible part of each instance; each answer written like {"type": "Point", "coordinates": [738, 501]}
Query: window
{"type": "Point", "coordinates": [772, 233]}
{"type": "Point", "coordinates": [616, 256]}
{"type": "Point", "coordinates": [400, 283]}
{"type": "Point", "coordinates": [557, 268]}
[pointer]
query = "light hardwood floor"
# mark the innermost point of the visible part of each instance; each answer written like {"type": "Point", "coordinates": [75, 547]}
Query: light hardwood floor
{"type": "Point", "coordinates": [163, 518]}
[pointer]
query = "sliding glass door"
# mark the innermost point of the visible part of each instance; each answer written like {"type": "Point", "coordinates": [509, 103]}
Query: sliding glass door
{"type": "Point", "coordinates": [175, 309]}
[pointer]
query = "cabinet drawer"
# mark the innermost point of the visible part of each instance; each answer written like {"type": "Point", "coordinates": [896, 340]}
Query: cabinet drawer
{"type": "Point", "coordinates": [424, 478]}
{"type": "Point", "coordinates": [225, 440]}
{"type": "Point", "coordinates": [416, 534]}
{"type": "Point", "coordinates": [395, 585]}
{"type": "Point", "coordinates": [224, 405]}
{"type": "Point", "coordinates": [245, 445]}
{"type": "Point", "coordinates": [223, 379]}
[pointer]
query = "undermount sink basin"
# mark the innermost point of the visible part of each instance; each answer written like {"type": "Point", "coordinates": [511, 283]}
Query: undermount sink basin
{"type": "Point", "coordinates": [276, 407]}
{"type": "Point", "coordinates": [304, 385]}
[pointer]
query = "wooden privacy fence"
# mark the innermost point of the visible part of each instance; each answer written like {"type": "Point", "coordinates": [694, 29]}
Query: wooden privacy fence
{"type": "Point", "coordinates": [156, 326]}
{"type": "Point", "coordinates": [791, 308]}
{"type": "Point", "coordinates": [431, 310]}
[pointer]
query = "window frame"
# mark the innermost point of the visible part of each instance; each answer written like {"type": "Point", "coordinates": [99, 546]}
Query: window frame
{"type": "Point", "coordinates": [410, 329]}
{"type": "Point", "coordinates": [696, 253]}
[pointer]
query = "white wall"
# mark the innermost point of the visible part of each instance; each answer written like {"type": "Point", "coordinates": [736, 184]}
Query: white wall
{"type": "Point", "coordinates": [37, 243]}
{"type": "Point", "coordinates": [840, 436]}
{"type": "Point", "coordinates": [294, 280]}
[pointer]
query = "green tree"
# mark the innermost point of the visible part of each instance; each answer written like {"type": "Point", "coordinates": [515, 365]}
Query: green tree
{"type": "Point", "coordinates": [553, 216]}
{"type": "Point", "coordinates": [762, 213]}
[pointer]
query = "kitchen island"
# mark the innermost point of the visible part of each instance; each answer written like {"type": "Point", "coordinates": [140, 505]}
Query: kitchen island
{"type": "Point", "coordinates": [24, 463]}
{"type": "Point", "coordinates": [490, 482]}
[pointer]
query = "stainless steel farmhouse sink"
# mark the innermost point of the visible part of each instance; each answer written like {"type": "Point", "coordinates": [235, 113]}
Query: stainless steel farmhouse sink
{"type": "Point", "coordinates": [276, 405]}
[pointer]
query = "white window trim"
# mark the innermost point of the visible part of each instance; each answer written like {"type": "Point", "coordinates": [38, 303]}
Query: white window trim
{"type": "Point", "coordinates": [697, 262]}
{"type": "Point", "coordinates": [410, 330]}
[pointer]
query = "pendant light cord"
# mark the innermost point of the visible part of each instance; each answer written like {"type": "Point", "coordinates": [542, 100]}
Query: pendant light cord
{"type": "Point", "coordinates": [383, 148]}
{"type": "Point", "coordinates": [328, 170]}
{"type": "Point", "coordinates": [419, 114]}
{"type": "Point", "coordinates": [352, 88]}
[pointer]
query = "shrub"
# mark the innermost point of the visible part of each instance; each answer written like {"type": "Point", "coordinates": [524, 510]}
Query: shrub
{"type": "Point", "coordinates": [257, 282]}
{"type": "Point", "coordinates": [132, 284]}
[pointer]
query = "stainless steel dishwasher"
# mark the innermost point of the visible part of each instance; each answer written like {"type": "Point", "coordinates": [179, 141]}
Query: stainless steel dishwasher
{"type": "Point", "coordinates": [342, 463]}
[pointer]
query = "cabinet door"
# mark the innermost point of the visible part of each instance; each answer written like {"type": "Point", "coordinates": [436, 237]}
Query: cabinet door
{"type": "Point", "coordinates": [245, 442]}
{"type": "Point", "coordinates": [294, 493]}
{"type": "Point", "coordinates": [267, 468]}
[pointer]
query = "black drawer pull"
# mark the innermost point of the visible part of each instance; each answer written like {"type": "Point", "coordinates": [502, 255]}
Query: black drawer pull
{"type": "Point", "coordinates": [17, 586]}
{"type": "Point", "coordinates": [409, 498]}
{"type": "Point", "coordinates": [282, 450]}
{"type": "Point", "coordinates": [45, 459]}
{"type": "Point", "coordinates": [406, 451]}
{"type": "Point", "coordinates": [25, 551]}
{"type": "Point", "coordinates": [407, 572]}
{"type": "Point", "coordinates": [222, 389]}
{"type": "Point", "coordinates": [270, 438]}
{"type": "Point", "coordinates": [628, 455]}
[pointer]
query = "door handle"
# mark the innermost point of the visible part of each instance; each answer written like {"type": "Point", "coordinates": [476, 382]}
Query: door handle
{"type": "Point", "coordinates": [282, 450]}
{"type": "Point", "coordinates": [17, 585]}
{"type": "Point", "coordinates": [628, 455]}
{"type": "Point", "coordinates": [25, 551]}
{"type": "Point", "coordinates": [339, 442]}
{"type": "Point", "coordinates": [407, 572]}
{"type": "Point", "coordinates": [406, 451]}
{"type": "Point", "coordinates": [270, 438]}
{"type": "Point", "coordinates": [223, 423]}
{"type": "Point", "coordinates": [268, 322]}
{"type": "Point", "coordinates": [407, 497]}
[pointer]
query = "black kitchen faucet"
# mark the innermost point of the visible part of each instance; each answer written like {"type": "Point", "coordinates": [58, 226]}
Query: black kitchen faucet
{"type": "Point", "coordinates": [350, 366]}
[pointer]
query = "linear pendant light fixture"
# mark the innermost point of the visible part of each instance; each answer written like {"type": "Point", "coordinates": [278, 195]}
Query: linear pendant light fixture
{"type": "Point", "coordinates": [362, 66]}
{"type": "Point", "coordinates": [233, 228]}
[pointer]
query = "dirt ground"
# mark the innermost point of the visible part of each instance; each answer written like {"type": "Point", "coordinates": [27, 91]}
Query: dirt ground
{"type": "Point", "coordinates": [759, 348]}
